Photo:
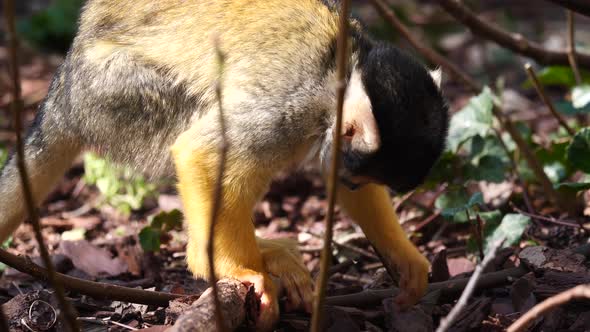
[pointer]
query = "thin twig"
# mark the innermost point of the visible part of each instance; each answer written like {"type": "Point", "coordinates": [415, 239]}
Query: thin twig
{"type": "Point", "coordinates": [571, 47]}
{"type": "Point", "coordinates": [122, 325]}
{"type": "Point", "coordinates": [548, 219]}
{"type": "Point", "coordinates": [445, 323]}
{"type": "Point", "coordinates": [342, 55]}
{"type": "Point", "coordinates": [479, 235]}
{"type": "Point", "coordinates": [69, 315]}
{"type": "Point", "coordinates": [455, 71]}
{"type": "Point", "coordinates": [514, 42]}
{"type": "Point", "coordinates": [579, 6]}
{"type": "Point", "coordinates": [578, 292]}
{"type": "Point", "coordinates": [541, 91]}
{"type": "Point", "coordinates": [218, 191]}
{"type": "Point", "coordinates": [426, 221]}
{"type": "Point", "coordinates": [430, 54]}
{"type": "Point", "coordinates": [449, 288]}
{"type": "Point", "coordinates": [97, 290]}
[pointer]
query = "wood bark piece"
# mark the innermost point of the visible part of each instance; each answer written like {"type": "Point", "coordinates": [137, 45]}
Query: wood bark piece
{"type": "Point", "coordinates": [541, 258]}
{"type": "Point", "coordinates": [239, 305]}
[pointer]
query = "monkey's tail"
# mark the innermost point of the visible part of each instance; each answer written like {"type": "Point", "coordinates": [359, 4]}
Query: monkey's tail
{"type": "Point", "coordinates": [49, 152]}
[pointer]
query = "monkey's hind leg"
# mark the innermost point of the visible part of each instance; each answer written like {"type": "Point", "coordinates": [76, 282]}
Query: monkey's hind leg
{"type": "Point", "coordinates": [48, 154]}
{"type": "Point", "coordinates": [236, 253]}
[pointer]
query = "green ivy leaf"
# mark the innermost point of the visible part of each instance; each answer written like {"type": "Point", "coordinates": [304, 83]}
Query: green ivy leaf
{"type": "Point", "coordinates": [450, 211]}
{"type": "Point", "coordinates": [567, 108]}
{"type": "Point", "coordinates": [490, 168]}
{"type": "Point", "coordinates": [581, 96]}
{"type": "Point", "coordinates": [149, 238]}
{"type": "Point", "coordinates": [474, 119]}
{"type": "Point", "coordinates": [555, 171]}
{"type": "Point", "coordinates": [511, 228]}
{"type": "Point", "coordinates": [578, 152]}
{"type": "Point", "coordinates": [557, 75]}
{"type": "Point", "coordinates": [167, 220]}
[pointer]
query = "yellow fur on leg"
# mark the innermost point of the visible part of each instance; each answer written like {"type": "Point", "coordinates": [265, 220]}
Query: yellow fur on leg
{"type": "Point", "coordinates": [371, 208]}
{"type": "Point", "coordinates": [236, 252]}
{"type": "Point", "coordinates": [283, 260]}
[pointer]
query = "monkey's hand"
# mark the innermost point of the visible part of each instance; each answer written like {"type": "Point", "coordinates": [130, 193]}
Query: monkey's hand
{"type": "Point", "coordinates": [413, 268]}
{"type": "Point", "coordinates": [283, 260]}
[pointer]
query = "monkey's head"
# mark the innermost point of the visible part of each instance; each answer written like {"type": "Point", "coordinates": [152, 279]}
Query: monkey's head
{"type": "Point", "coordinates": [395, 120]}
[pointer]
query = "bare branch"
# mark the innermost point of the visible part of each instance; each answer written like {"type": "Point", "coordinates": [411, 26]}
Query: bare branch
{"type": "Point", "coordinates": [218, 192]}
{"type": "Point", "coordinates": [446, 322]}
{"type": "Point", "coordinates": [578, 292]}
{"type": "Point", "coordinates": [541, 91]}
{"type": "Point", "coordinates": [579, 6]}
{"type": "Point", "coordinates": [17, 108]}
{"type": "Point", "coordinates": [342, 56]}
{"type": "Point", "coordinates": [427, 52]}
{"type": "Point", "coordinates": [96, 290]}
{"type": "Point", "coordinates": [514, 42]}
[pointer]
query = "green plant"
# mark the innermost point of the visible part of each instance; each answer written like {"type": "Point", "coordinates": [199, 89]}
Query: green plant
{"type": "Point", "coordinates": [119, 186]}
{"type": "Point", "coordinates": [3, 155]}
{"type": "Point", "coordinates": [153, 235]}
{"type": "Point", "coordinates": [53, 28]}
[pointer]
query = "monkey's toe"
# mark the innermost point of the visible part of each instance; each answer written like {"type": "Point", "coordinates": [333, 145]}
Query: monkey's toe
{"type": "Point", "coordinates": [282, 260]}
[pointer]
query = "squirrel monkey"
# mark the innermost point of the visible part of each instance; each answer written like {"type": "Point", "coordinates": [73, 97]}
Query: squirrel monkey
{"type": "Point", "coordinates": [138, 85]}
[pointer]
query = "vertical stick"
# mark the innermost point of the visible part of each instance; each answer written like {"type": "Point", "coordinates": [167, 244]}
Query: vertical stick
{"type": "Point", "coordinates": [16, 106]}
{"type": "Point", "coordinates": [3, 321]}
{"type": "Point", "coordinates": [342, 55]}
{"type": "Point", "coordinates": [571, 47]}
{"type": "Point", "coordinates": [218, 192]}
{"type": "Point", "coordinates": [531, 72]}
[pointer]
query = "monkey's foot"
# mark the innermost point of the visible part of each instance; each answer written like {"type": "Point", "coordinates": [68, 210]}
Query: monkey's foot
{"type": "Point", "coordinates": [283, 260]}
{"type": "Point", "coordinates": [266, 290]}
{"type": "Point", "coordinates": [413, 268]}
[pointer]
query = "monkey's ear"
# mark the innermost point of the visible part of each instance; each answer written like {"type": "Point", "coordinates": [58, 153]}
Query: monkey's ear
{"type": "Point", "coordinates": [437, 76]}
{"type": "Point", "coordinates": [359, 127]}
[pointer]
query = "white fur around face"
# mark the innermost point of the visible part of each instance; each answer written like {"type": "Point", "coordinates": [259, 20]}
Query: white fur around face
{"type": "Point", "coordinates": [358, 114]}
{"type": "Point", "coordinates": [437, 76]}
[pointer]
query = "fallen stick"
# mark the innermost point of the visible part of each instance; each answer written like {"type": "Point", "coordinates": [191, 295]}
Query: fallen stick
{"type": "Point", "coordinates": [96, 290]}
{"type": "Point", "coordinates": [578, 292]}
{"type": "Point", "coordinates": [447, 322]}
{"type": "Point", "coordinates": [237, 302]}
{"type": "Point", "coordinates": [447, 288]}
